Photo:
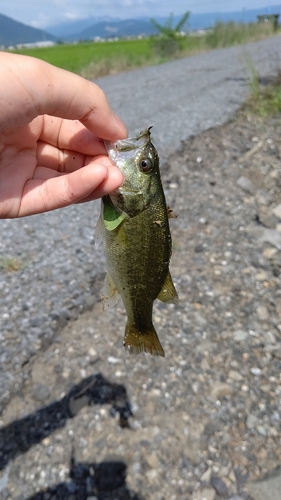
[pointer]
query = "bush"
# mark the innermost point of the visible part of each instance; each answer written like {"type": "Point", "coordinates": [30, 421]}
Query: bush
{"type": "Point", "coordinates": [227, 34]}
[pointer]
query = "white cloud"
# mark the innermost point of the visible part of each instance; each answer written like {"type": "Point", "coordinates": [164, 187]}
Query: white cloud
{"type": "Point", "coordinates": [71, 16]}
{"type": "Point", "coordinates": [41, 20]}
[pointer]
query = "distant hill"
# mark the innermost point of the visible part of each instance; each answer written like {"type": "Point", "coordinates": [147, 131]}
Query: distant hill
{"type": "Point", "coordinates": [13, 33]}
{"type": "Point", "coordinates": [69, 27]}
{"type": "Point", "coordinates": [105, 29]}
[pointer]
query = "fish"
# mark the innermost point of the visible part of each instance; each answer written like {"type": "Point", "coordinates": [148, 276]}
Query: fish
{"type": "Point", "coordinates": [134, 227]}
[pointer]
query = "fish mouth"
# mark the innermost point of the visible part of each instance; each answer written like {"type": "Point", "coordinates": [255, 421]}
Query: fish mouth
{"type": "Point", "coordinates": [134, 142]}
{"type": "Point", "coordinates": [128, 145]}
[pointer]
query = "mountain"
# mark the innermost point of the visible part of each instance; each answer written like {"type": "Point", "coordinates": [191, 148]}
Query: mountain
{"type": "Point", "coordinates": [105, 27]}
{"type": "Point", "coordinates": [128, 27]}
{"type": "Point", "coordinates": [13, 33]}
{"type": "Point", "coordinates": [69, 27]}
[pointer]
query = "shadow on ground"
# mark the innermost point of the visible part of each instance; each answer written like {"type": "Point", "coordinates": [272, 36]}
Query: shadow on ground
{"type": "Point", "coordinates": [103, 481]}
{"type": "Point", "coordinates": [17, 437]}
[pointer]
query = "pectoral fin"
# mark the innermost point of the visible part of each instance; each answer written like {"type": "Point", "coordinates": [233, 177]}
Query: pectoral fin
{"type": "Point", "coordinates": [111, 295]}
{"type": "Point", "coordinates": [111, 216]}
{"type": "Point", "coordinates": [171, 214]}
{"type": "Point", "coordinates": [168, 292]}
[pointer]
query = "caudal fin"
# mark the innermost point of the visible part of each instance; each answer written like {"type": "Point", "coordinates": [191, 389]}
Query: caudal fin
{"type": "Point", "coordinates": [146, 340]}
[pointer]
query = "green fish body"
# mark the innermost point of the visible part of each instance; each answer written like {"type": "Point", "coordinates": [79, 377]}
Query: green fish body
{"type": "Point", "coordinates": [138, 242]}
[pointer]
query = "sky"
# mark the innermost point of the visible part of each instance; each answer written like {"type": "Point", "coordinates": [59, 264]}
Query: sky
{"type": "Point", "coordinates": [44, 13]}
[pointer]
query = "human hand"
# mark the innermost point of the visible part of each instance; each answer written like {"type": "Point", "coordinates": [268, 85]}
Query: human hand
{"type": "Point", "coordinates": [52, 126]}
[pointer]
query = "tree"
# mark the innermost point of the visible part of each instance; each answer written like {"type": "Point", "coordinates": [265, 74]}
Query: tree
{"type": "Point", "coordinates": [167, 29]}
{"type": "Point", "coordinates": [168, 41]}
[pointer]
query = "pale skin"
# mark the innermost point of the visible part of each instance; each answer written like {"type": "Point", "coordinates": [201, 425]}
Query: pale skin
{"type": "Point", "coordinates": [52, 126]}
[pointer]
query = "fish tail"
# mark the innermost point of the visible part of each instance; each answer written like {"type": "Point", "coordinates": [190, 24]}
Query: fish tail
{"type": "Point", "coordinates": [138, 340]}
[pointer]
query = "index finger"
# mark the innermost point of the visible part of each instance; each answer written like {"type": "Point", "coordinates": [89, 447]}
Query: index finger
{"type": "Point", "coordinates": [38, 88]}
{"type": "Point", "coordinates": [73, 97]}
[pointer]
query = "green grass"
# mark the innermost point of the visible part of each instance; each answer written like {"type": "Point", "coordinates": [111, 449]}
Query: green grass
{"type": "Point", "coordinates": [10, 264]}
{"type": "Point", "coordinates": [228, 34]}
{"type": "Point", "coordinates": [265, 96]}
{"type": "Point", "coordinates": [265, 100]}
{"type": "Point", "coordinates": [78, 57]}
{"type": "Point", "coordinates": [94, 59]}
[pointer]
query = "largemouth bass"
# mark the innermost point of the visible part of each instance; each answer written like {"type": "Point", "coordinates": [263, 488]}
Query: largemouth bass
{"type": "Point", "coordinates": [137, 241]}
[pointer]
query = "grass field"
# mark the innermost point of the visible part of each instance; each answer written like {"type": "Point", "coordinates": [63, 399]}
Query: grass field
{"type": "Point", "coordinates": [108, 57]}
{"type": "Point", "coordinates": [94, 59]}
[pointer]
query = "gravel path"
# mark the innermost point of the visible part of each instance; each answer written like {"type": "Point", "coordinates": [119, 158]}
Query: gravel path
{"type": "Point", "coordinates": [187, 96]}
{"type": "Point", "coordinates": [205, 421]}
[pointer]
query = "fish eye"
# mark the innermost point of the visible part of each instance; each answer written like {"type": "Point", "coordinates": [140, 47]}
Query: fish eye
{"type": "Point", "coordinates": [145, 165]}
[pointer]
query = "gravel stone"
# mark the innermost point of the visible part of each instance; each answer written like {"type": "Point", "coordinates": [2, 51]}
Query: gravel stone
{"type": "Point", "coordinates": [269, 488]}
{"type": "Point", "coordinates": [206, 494]}
{"type": "Point", "coordinates": [269, 252]}
{"type": "Point", "coordinates": [4, 480]}
{"type": "Point", "coordinates": [220, 390]}
{"type": "Point", "coordinates": [251, 421]}
{"type": "Point", "coordinates": [271, 236]}
{"type": "Point", "coordinates": [234, 375]}
{"type": "Point", "coordinates": [240, 335]}
{"type": "Point", "coordinates": [246, 184]}
{"type": "Point", "coordinates": [219, 485]}
{"type": "Point", "coordinates": [75, 405]}
{"type": "Point", "coordinates": [275, 350]}
{"type": "Point", "coordinates": [40, 392]}
{"type": "Point", "coordinates": [263, 197]}
{"type": "Point", "coordinates": [206, 476]}
{"type": "Point", "coordinates": [262, 313]}
{"type": "Point", "coordinates": [277, 211]}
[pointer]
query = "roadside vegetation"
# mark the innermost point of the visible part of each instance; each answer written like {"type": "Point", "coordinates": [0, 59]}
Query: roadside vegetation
{"type": "Point", "coordinates": [95, 59]}
{"type": "Point", "coordinates": [169, 40]}
{"type": "Point", "coordinates": [265, 97]}
{"type": "Point", "coordinates": [227, 34]}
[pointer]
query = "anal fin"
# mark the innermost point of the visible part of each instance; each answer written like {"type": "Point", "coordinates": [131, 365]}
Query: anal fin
{"type": "Point", "coordinates": [168, 292]}
{"type": "Point", "coordinates": [110, 295]}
